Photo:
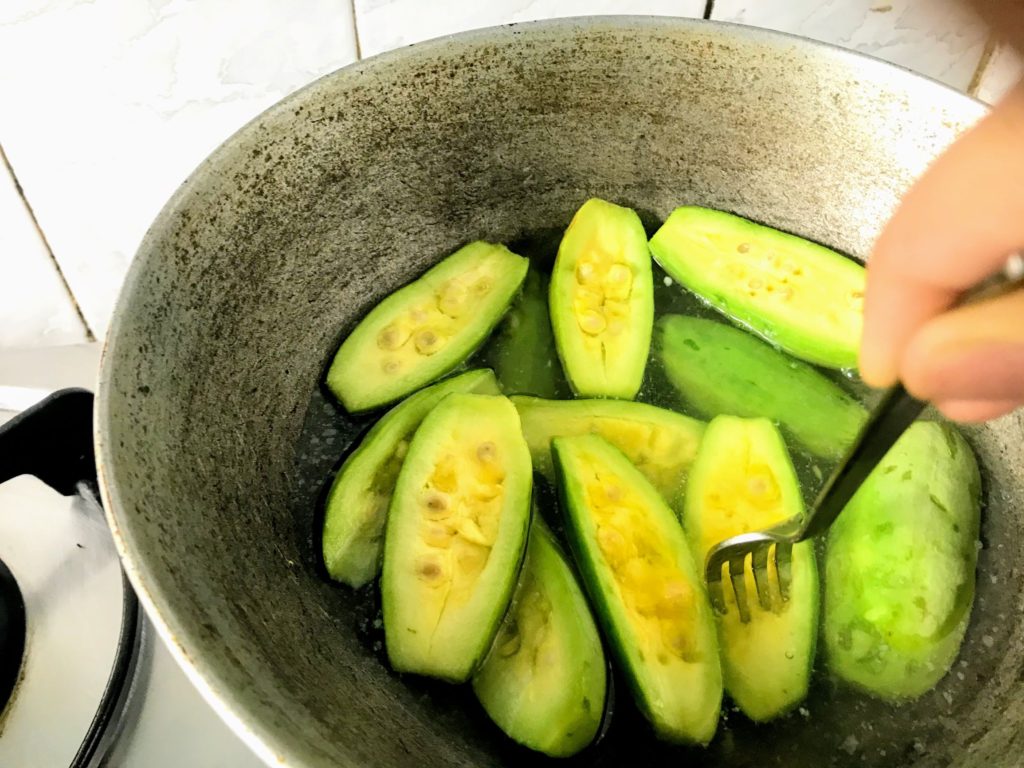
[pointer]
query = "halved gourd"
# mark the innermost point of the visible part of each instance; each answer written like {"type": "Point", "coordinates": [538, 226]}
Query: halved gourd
{"type": "Point", "coordinates": [646, 591]}
{"type": "Point", "coordinates": [602, 301]}
{"type": "Point", "coordinates": [661, 443]}
{"type": "Point", "coordinates": [455, 536]}
{"type": "Point", "coordinates": [797, 294]}
{"type": "Point", "coordinates": [424, 330]}
{"type": "Point", "coordinates": [743, 480]}
{"type": "Point", "coordinates": [357, 504]}
{"type": "Point", "coordinates": [544, 680]}
{"type": "Point", "coordinates": [900, 565]}
{"type": "Point", "coordinates": [720, 369]}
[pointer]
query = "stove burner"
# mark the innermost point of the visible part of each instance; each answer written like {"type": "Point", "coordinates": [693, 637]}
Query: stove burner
{"type": "Point", "coordinates": [12, 633]}
{"type": "Point", "coordinates": [53, 441]}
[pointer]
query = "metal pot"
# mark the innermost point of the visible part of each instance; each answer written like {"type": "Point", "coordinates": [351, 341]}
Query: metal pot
{"type": "Point", "coordinates": [343, 192]}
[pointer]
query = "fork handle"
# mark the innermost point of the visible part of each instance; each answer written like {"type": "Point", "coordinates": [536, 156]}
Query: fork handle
{"type": "Point", "coordinates": [897, 410]}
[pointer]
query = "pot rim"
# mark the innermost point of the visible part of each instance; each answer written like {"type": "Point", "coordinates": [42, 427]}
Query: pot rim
{"type": "Point", "coordinates": [206, 681]}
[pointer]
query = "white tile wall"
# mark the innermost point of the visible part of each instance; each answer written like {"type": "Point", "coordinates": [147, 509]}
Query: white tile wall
{"type": "Point", "coordinates": [35, 307]}
{"type": "Point", "coordinates": [107, 105]}
{"type": "Point", "coordinates": [387, 24]}
{"type": "Point", "coordinates": [936, 37]}
{"type": "Point", "coordinates": [1003, 70]}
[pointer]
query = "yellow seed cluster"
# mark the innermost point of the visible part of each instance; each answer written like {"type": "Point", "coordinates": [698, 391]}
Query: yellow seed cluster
{"type": "Point", "coordinates": [744, 495]}
{"type": "Point", "coordinates": [657, 595]}
{"type": "Point", "coordinates": [426, 328]}
{"type": "Point", "coordinates": [765, 273]}
{"type": "Point", "coordinates": [656, 451]}
{"type": "Point", "coordinates": [460, 508]}
{"type": "Point", "coordinates": [601, 296]}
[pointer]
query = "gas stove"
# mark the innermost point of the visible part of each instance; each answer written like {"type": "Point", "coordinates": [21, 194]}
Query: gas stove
{"type": "Point", "coordinates": [95, 686]}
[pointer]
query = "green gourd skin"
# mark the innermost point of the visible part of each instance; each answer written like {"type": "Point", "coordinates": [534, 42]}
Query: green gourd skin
{"type": "Point", "coordinates": [719, 369]}
{"type": "Point", "coordinates": [900, 566]}
{"type": "Point", "coordinates": [524, 356]}
{"type": "Point", "coordinates": [544, 680]}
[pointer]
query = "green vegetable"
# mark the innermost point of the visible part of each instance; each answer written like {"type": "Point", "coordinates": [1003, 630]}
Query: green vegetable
{"type": "Point", "coordinates": [661, 443]}
{"type": "Point", "coordinates": [357, 503]}
{"type": "Point", "coordinates": [742, 481]}
{"type": "Point", "coordinates": [799, 295]}
{"type": "Point", "coordinates": [722, 370]}
{"type": "Point", "coordinates": [426, 329]}
{"type": "Point", "coordinates": [543, 682]}
{"type": "Point", "coordinates": [455, 536]}
{"type": "Point", "coordinates": [602, 301]}
{"type": "Point", "coordinates": [524, 356]}
{"type": "Point", "coordinates": [899, 569]}
{"type": "Point", "coordinates": [646, 591]}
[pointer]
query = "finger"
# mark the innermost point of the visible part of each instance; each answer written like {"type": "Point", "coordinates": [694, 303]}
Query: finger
{"type": "Point", "coordinates": [955, 226]}
{"type": "Point", "coordinates": [973, 411]}
{"type": "Point", "coordinates": [971, 353]}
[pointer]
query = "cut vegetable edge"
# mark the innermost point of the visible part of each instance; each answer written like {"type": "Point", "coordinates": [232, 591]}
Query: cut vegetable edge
{"type": "Point", "coordinates": [767, 662]}
{"type": "Point", "coordinates": [557, 709]}
{"type": "Point", "coordinates": [426, 328]}
{"type": "Point", "coordinates": [601, 300]}
{"type": "Point", "coordinates": [684, 707]}
{"type": "Point", "coordinates": [761, 277]}
{"type": "Point", "coordinates": [660, 442]}
{"type": "Point", "coordinates": [456, 535]}
{"type": "Point", "coordinates": [356, 507]}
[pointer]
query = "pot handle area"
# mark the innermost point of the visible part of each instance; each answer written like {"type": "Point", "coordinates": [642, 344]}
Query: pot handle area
{"type": "Point", "coordinates": [52, 440]}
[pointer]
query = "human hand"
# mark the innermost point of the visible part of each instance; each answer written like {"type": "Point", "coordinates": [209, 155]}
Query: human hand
{"type": "Point", "coordinates": [956, 226]}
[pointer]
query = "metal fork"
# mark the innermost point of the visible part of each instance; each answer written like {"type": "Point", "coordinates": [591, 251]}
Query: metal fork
{"type": "Point", "coordinates": [773, 547]}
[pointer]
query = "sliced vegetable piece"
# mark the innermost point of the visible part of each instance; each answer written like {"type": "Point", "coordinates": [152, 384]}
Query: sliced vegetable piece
{"type": "Point", "coordinates": [743, 480]}
{"type": "Point", "coordinates": [524, 356]}
{"type": "Point", "coordinates": [900, 566]}
{"type": "Point", "coordinates": [357, 503]}
{"type": "Point", "coordinates": [602, 301]}
{"type": "Point", "coordinates": [543, 681]}
{"type": "Point", "coordinates": [797, 294]}
{"type": "Point", "coordinates": [456, 534]}
{"type": "Point", "coordinates": [661, 443]}
{"type": "Point", "coordinates": [646, 591]}
{"type": "Point", "coordinates": [719, 369]}
{"type": "Point", "coordinates": [424, 330]}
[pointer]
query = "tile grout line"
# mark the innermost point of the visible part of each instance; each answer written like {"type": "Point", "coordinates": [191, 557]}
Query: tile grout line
{"type": "Point", "coordinates": [6, 163]}
{"type": "Point", "coordinates": [979, 71]}
{"type": "Point", "coordinates": [709, 8]}
{"type": "Point", "coordinates": [355, 29]}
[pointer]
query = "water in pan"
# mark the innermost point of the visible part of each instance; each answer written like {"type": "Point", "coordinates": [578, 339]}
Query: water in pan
{"type": "Point", "coordinates": [835, 726]}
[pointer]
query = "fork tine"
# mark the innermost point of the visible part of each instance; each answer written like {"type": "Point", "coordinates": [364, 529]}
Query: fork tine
{"type": "Point", "coordinates": [784, 568]}
{"type": "Point", "coordinates": [761, 579]}
{"type": "Point", "coordinates": [715, 591]}
{"type": "Point", "coordinates": [737, 575]}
